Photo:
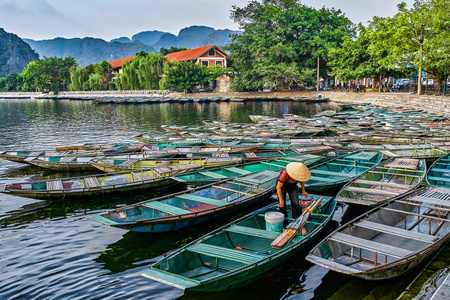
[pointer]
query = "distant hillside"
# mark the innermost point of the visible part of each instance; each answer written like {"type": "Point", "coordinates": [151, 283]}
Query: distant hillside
{"type": "Point", "coordinates": [219, 37]}
{"type": "Point", "coordinates": [148, 37]}
{"type": "Point", "coordinates": [87, 51]}
{"type": "Point", "coordinates": [189, 37]}
{"type": "Point", "coordinates": [15, 54]}
{"type": "Point", "coordinates": [123, 39]}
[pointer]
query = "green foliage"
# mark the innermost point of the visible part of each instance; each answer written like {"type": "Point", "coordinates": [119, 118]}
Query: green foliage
{"type": "Point", "coordinates": [184, 75]}
{"type": "Point", "coordinates": [393, 44]}
{"type": "Point", "coordinates": [12, 82]}
{"type": "Point", "coordinates": [165, 51]}
{"type": "Point", "coordinates": [281, 42]}
{"type": "Point", "coordinates": [48, 73]}
{"type": "Point", "coordinates": [143, 73]}
{"type": "Point", "coordinates": [93, 77]}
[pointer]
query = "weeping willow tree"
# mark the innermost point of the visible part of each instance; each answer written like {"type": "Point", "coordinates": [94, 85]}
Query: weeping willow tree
{"type": "Point", "coordinates": [143, 73]}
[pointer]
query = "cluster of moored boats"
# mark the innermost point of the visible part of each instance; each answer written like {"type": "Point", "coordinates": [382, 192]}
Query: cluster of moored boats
{"type": "Point", "coordinates": [394, 162]}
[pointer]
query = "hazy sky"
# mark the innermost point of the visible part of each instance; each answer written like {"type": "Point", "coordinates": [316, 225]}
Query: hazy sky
{"type": "Point", "coordinates": [108, 19]}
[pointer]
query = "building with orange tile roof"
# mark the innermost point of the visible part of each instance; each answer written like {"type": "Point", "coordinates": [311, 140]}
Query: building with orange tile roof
{"type": "Point", "coordinates": [206, 56]}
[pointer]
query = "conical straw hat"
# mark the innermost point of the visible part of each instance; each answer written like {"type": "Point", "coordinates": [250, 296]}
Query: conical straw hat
{"type": "Point", "coordinates": [298, 171]}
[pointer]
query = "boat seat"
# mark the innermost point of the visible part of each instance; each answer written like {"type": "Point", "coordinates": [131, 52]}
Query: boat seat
{"type": "Point", "coordinates": [431, 201]}
{"type": "Point", "coordinates": [396, 174]}
{"type": "Point", "coordinates": [444, 179]}
{"type": "Point", "coordinates": [53, 185]}
{"type": "Point", "coordinates": [332, 264]}
{"type": "Point", "coordinates": [371, 191]}
{"type": "Point", "coordinates": [202, 199]}
{"type": "Point", "coordinates": [92, 182]}
{"type": "Point", "coordinates": [356, 201]}
{"type": "Point", "coordinates": [346, 165]}
{"type": "Point", "coordinates": [332, 173]}
{"type": "Point", "coordinates": [67, 159]}
{"type": "Point", "coordinates": [128, 163]}
{"type": "Point", "coordinates": [325, 179]}
{"type": "Point", "coordinates": [397, 231]}
{"type": "Point", "coordinates": [440, 170]}
{"type": "Point", "coordinates": [370, 245]}
{"type": "Point", "coordinates": [390, 184]}
{"type": "Point", "coordinates": [212, 174]}
{"type": "Point", "coordinates": [170, 209]}
{"type": "Point", "coordinates": [253, 232]}
{"type": "Point", "coordinates": [195, 149]}
{"type": "Point", "coordinates": [250, 155]}
{"type": "Point", "coordinates": [272, 164]}
{"type": "Point", "coordinates": [237, 170]}
{"type": "Point", "coordinates": [164, 163]}
{"type": "Point", "coordinates": [225, 253]}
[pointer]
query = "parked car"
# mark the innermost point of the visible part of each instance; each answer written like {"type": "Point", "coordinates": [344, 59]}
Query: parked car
{"type": "Point", "coordinates": [403, 81]}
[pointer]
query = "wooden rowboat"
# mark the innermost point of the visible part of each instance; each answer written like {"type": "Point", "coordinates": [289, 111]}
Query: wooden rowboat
{"type": "Point", "coordinates": [389, 240]}
{"type": "Point", "coordinates": [236, 254]}
{"type": "Point", "coordinates": [439, 172]}
{"type": "Point", "coordinates": [93, 185]}
{"type": "Point", "coordinates": [184, 209]}
{"type": "Point", "coordinates": [330, 176]}
{"type": "Point", "coordinates": [389, 180]}
{"type": "Point", "coordinates": [202, 177]}
{"type": "Point", "coordinates": [111, 165]}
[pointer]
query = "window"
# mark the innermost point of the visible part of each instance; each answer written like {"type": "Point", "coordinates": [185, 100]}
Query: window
{"type": "Point", "coordinates": [219, 63]}
{"type": "Point", "coordinates": [212, 52]}
{"type": "Point", "coordinates": [205, 63]}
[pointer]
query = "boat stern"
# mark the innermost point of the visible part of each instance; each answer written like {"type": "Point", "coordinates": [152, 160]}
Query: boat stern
{"type": "Point", "coordinates": [171, 279]}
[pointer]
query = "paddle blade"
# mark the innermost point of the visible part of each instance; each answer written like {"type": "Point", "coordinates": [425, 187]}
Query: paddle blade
{"type": "Point", "coordinates": [284, 238]}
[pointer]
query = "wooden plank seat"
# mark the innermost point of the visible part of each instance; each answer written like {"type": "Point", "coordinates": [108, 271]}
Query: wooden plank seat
{"type": "Point", "coordinates": [357, 201]}
{"type": "Point", "coordinates": [370, 245]}
{"type": "Point", "coordinates": [415, 214]}
{"type": "Point", "coordinates": [271, 235]}
{"type": "Point", "coordinates": [440, 170]}
{"type": "Point", "coordinates": [444, 179]}
{"type": "Point", "coordinates": [231, 190]}
{"type": "Point", "coordinates": [92, 182]}
{"type": "Point", "coordinates": [202, 199]}
{"type": "Point", "coordinates": [225, 253]}
{"type": "Point", "coordinates": [332, 173]}
{"type": "Point", "coordinates": [184, 167]}
{"type": "Point", "coordinates": [371, 191]}
{"type": "Point", "coordinates": [212, 174]}
{"type": "Point", "coordinates": [195, 149]}
{"type": "Point", "coordinates": [382, 183]}
{"type": "Point", "coordinates": [164, 163]}
{"type": "Point", "coordinates": [397, 174]}
{"type": "Point", "coordinates": [325, 179]}
{"type": "Point", "coordinates": [397, 231]}
{"type": "Point", "coordinates": [67, 159]}
{"type": "Point", "coordinates": [128, 162]}
{"type": "Point", "coordinates": [272, 164]}
{"type": "Point", "coordinates": [332, 264]}
{"type": "Point", "coordinates": [389, 153]}
{"type": "Point", "coordinates": [407, 163]}
{"type": "Point", "coordinates": [250, 155]}
{"type": "Point", "coordinates": [347, 165]}
{"type": "Point", "coordinates": [237, 170]}
{"type": "Point", "coordinates": [431, 201]}
{"type": "Point", "coordinates": [54, 185]}
{"type": "Point", "coordinates": [170, 209]}
{"type": "Point", "coordinates": [36, 153]}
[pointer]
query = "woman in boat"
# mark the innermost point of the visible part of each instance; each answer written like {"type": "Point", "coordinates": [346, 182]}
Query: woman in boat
{"type": "Point", "coordinates": [287, 184]}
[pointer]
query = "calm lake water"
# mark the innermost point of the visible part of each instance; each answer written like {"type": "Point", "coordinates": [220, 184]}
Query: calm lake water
{"type": "Point", "coordinates": [54, 250]}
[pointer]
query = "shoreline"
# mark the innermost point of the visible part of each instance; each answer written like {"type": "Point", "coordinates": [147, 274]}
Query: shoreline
{"type": "Point", "coordinates": [430, 103]}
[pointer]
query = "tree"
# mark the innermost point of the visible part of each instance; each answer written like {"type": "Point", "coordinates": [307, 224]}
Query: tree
{"type": "Point", "coordinates": [165, 51]}
{"type": "Point", "coordinates": [280, 35]}
{"type": "Point", "coordinates": [48, 73]}
{"type": "Point", "coordinates": [184, 75]}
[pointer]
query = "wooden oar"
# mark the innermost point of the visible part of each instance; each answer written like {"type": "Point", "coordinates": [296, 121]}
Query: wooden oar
{"type": "Point", "coordinates": [292, 229]}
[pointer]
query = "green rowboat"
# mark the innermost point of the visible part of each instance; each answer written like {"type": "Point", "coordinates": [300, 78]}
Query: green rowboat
{"type": "Point", "coordinates": [236, 254]}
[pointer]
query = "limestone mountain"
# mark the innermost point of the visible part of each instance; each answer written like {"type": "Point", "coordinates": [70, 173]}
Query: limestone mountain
{"type": "Point", "coordinates": [88, 50]}
{"type": "Point", "coordinates": [123, 39]}
{"type": "Point", "coordinates": [148, 37]}
{"type": "Point", "coordinates": [15, 54]}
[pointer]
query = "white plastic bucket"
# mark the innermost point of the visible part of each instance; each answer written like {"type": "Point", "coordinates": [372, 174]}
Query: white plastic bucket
{"type": "Point", "coordinates": [274, 221]}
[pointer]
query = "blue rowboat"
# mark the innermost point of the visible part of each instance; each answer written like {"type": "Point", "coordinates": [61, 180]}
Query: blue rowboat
{"type": "Point", "coordinates": [330, 176]}
{"type": "Point", "coordinates": [184, 209]}
{"type": "Point", "coordinates": [439, 172]}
